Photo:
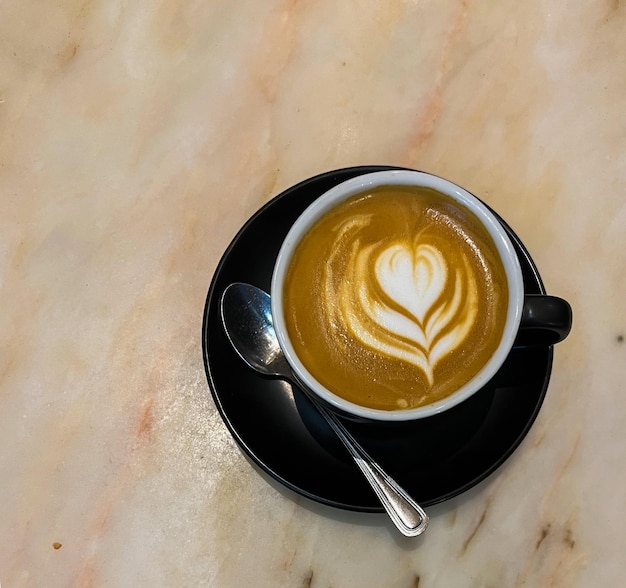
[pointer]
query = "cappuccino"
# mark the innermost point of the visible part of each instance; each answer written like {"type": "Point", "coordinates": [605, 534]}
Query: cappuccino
{"type": "Point", "coordinates": [395, 298]}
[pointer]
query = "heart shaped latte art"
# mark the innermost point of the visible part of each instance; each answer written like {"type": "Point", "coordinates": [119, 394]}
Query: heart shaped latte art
{"type": "Point", "coordinates": [413, 279]}
{"type": "Point", "coordinates": [409, 301]}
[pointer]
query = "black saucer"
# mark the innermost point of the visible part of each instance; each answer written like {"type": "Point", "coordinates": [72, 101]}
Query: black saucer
{"type": "Point", "coordinates": [433, 459]}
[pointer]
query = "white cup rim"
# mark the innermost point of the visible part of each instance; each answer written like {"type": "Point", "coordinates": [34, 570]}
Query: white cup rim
{"type": "Point", "coordinates": [345, 190]}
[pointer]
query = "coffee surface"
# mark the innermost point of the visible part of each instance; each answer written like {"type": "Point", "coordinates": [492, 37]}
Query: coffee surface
{"type": "Point", "coordinates": [395, 298]}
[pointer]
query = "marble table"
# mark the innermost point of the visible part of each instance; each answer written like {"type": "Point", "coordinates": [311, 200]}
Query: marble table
{"type": "Point", "coordinates": [135, 140]}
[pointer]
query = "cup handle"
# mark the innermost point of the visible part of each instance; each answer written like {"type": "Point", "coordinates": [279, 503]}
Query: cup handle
{"type": "Point", "coordinates": [546, 320]}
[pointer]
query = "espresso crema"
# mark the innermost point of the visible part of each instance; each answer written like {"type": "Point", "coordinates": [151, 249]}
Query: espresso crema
{"type": "Point", "coordinates": [396, 298]}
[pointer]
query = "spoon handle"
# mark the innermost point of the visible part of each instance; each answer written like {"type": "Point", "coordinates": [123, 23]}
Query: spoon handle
{"type": "Point", "coordinates": [406, 514]}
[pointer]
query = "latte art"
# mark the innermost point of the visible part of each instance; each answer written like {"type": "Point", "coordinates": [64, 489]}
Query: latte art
{"type": "Point", "coordinates": [396, 298]}
{"type": "Point", "coordinates": [408, 302]}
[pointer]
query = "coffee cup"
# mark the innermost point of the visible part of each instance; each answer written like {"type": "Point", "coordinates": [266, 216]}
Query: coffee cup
{"type": "Point", "coordinates": [396, 295]}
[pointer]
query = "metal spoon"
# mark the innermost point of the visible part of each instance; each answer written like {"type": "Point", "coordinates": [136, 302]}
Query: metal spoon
{"type": "Point", "coordinates": [247, 320]}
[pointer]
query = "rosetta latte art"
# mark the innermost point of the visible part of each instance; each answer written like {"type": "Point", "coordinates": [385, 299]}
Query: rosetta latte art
{"type": "Point", "coordinates": [406, 300]}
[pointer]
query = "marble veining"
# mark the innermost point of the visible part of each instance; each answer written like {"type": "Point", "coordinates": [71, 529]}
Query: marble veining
{"type": "Point", "coordinates": [136, 138]}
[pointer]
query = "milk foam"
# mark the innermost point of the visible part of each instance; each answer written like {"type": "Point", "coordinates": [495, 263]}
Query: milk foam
{"type": "Point", "coordinates": [409, 300]}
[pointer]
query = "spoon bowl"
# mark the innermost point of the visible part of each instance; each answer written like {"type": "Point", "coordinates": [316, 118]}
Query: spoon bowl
{"type": "Point", "coordinates": [247, 320]}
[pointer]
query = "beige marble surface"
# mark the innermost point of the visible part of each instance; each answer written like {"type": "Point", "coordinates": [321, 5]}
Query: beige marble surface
{"type": "Point", "coordinates": [137, 137]}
